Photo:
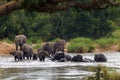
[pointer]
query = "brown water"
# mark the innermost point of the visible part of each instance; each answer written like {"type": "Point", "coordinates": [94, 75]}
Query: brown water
{"type": "Point", "coordinates": [36, 70]}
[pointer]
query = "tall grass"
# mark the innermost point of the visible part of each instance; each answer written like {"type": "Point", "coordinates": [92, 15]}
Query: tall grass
{"type": "Point", "coordinates": [107, 42]}
{"type": "Point", "coordinates": [81, 45]}
{"type": "Point", "coordinates": [36, 42]}
{"type": "Point", "coordinates": [7, 40]}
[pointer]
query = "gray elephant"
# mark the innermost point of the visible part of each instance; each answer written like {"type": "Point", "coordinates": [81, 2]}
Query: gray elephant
{"type": "Point", "coordinates": [100, 58]}
{"type": "Point", "coordinates": [20, 40]}
{"type": "Point", "coordinates": [59, 46]}
{"type": "Point", "coordinates": [42, 54]}
{"type": "Point", "coordinates": [77, 58]}
{"type": "Point", "coordinates": [48, 47]}
{"type": "Point", "coordinates": [27, 51]}
{"type": "Point", "coordinates": [35, 56]}
{"type": "Point", "coordinates": [18, 55]}
{"type": "Point", "coordinates": [58, 56]}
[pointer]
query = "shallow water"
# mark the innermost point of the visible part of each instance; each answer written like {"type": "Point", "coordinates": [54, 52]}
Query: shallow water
{"type": "Point", "coordinates": [48, 70]}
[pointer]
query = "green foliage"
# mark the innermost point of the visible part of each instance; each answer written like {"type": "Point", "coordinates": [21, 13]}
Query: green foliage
{"type": "Point", "coordinates": [34, 40]}
{"type": "Point", "coordinates": [106, 42]}
{"type": "Point", "coordinates": [103, 73]}
{"type": "Point", "coordinates": [6, 40]}
{"type": "Point", "coordinates": [68, 24]}
{"type": "Point", "coordinates": [81, 45]}
{"type": "Point", "coordinates": [116, 34]}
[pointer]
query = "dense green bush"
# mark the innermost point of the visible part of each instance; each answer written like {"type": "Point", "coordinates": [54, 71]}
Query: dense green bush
{"type": "Point", "coordinates": [80, 45]}
{"type": "Point", "coordinates": [106, 42]}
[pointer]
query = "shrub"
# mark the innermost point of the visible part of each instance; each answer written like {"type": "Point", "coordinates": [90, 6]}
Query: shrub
{"type": "Point", "coordinates": [106, 42]}
{"type": "Point", "coordinates": [34, 40]}
{"type": "Point", "coordinates": [80, 45]}
{"type": "Point", "coordinates": [103, 73]}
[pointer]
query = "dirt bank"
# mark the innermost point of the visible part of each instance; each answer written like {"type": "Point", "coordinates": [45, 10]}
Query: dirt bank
{"type": "Point", "coordinates": [5, 48]}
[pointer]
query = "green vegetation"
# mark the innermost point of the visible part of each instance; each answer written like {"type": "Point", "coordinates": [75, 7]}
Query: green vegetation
{"type": "Point", "coordinates": [102, 73]}
{"type": "Point", "coordinates": [107, 42]}
{"type": "Point", "coordinates": [80, 45]}
{"type": "Point", "coordinates": [67, 24]}
{"type": "Point", "coordinates": [98, 27]}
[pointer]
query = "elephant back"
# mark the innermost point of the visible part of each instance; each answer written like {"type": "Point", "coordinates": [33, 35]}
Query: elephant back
{"type": "Point", "coordinates": [20, 39]}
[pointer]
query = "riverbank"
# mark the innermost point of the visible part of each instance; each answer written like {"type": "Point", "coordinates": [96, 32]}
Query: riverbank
{"type": "Point", "coordinates": [5, 48]}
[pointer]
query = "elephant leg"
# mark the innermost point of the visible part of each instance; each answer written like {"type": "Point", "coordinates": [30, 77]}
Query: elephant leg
{"type": "Point", "coordinates": [44, 59]}
{"type": "Point", "coordinates": [16, 47]}
{"type": "Point", "coordinates": [15, 58]}
{"type": "Point", "coordinates": [27, 57]}
{"type": "Point", "coordinates": [40, 59]}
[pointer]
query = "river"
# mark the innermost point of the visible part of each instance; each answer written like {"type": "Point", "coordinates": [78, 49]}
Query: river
{"type": "Point", "coordinates": [48, 70]}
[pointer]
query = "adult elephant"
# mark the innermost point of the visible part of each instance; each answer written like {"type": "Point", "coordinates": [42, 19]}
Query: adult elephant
{"type": "Point", "coordinates": [27, 51]}
{"type": "Point", "coordinates": [59, 46]}
{"type": "Point", "coordinates": [48, 47]}
{"type": "Point", "coordinates": [100, 58]}
{"type": "Point", "coordinates": [18, 55]}
{"type": "Point", "coordinates": [20, 40]}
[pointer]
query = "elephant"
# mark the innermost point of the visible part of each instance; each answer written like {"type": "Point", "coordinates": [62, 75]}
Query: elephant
{"type": "Point", "coordinates": [77, 58]}
{"type": "Point", "coordinates": [18, 55]}
{"type": "Point", "coordinates": [20, 40]}
{"type": "Point", "coordinates": [42, 54]}
{"type": "Point", "coordinates": [27, 51]}
{"type": "Point", "coordinates": [59, 46]}
{"type": "Point", "coordinates": [100, 58]}
{"type": "Point", "coordinates": [35, 56]}
{"type": "Point", "coordinates": [48, 47]}
{"type": "Point", "coordinates": [58, 56]}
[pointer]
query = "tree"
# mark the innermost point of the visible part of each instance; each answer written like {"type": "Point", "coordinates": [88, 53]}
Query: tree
{"type": "Point", "coordinates": [7, 6]}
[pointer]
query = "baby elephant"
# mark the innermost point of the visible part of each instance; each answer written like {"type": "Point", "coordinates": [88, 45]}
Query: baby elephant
{"type": "Point", "coordinates": [42, 55]}
{"type": "Point", "coordinates": [27, 51]}
{"type": "Point", "coordinates": [35, 56]}
{"type": "Point", "coordinates": [100, 58]}
{"type": "Point", "coordinates": [77, 58]}
{"type": "Point", "coordinates": [58, 56]}
{"type": "Point", "coordinates": [18, 55]}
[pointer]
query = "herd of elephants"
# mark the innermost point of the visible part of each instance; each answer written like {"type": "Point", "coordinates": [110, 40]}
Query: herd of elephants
{"type": "Point", "coordinates": [53, 51]}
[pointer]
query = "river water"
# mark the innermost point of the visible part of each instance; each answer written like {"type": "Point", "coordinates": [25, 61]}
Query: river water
{"type": "Point", "coordinates": [48, 70]}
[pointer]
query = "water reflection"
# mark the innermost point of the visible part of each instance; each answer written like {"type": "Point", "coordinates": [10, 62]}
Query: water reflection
{"type": "Point", "coordinates": [56, 73]}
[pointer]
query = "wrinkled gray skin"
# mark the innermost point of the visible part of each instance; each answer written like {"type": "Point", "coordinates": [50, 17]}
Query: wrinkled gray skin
{"type": "Point", "coordinates": [59, 46]}
{"type": "Point", "coordinates": [42, 54]}
{"type": "Point", "coordinates": [48, 47]}
{"type": "Point", "coordinates": [27, 51]}
{"type": "Point", "coordinates": [20, 40]}
{"type": "Point", "coordinates": [18, 55]}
